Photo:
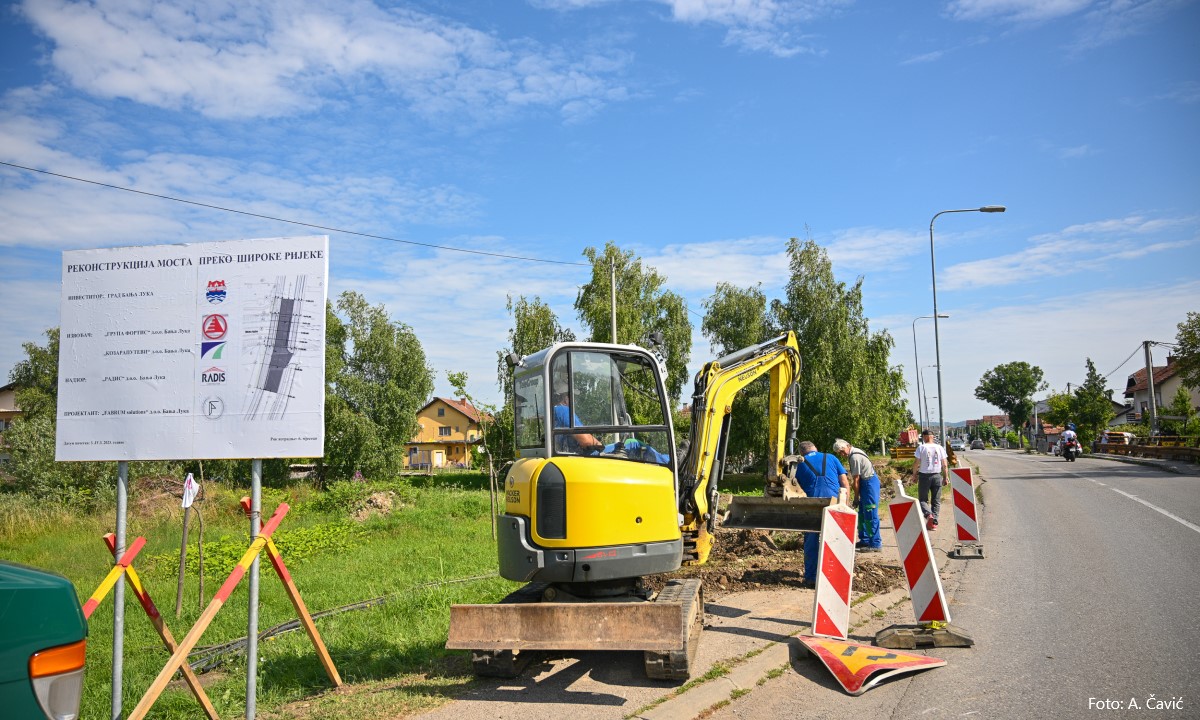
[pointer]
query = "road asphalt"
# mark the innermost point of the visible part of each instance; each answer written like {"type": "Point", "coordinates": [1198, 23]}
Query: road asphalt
{"type": "Point", "coordinates": [749, 637]}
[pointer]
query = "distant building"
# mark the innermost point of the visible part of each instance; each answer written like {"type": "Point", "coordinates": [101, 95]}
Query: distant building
{"type": "Point", "coordinates": [1166, 383]}
{"type": "Point", "coordinates": [8, 412]}
{"type": "Point", "coordinates": [448, 432]}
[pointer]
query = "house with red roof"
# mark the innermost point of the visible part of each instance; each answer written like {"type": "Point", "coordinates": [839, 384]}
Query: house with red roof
{"type": "Point", "coordinates": [1167, 382]}
{"type": "Point", "coordinates": [447, 435]}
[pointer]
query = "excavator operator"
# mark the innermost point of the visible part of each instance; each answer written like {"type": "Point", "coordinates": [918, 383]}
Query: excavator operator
{"type": "Point", "coordinates": [583, 443]}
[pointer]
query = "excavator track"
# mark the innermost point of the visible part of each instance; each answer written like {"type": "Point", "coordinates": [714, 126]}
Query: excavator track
{"type": "Point", "coordinates": [677, 664]}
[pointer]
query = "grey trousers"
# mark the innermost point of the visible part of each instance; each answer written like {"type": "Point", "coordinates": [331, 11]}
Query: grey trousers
{"type": "Point", "coordinates": [929, 493]}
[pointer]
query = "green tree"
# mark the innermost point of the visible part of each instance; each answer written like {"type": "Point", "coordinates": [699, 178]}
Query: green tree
{"type": "Point", "coordinates": [847, 388]}
{"type": "Point", "coordinates": [1187, 351]}
{"type": "Point", "coordinates": [377, 378]}
{"type": "Point", "coordinates": [1010, 387]}
{"type": "Point", "coordinates": [1091, 406]}
{"type": "Point", "coordinates": [535, 327]}
{"type": "Point", "coordinates": [1059, 411]}
{"type": "Point", "coordinates": [644, 306]}
{"type": "Point", "coordinates": [737, 318]}
{"type": "Point", "coordinates": [1181, 406]}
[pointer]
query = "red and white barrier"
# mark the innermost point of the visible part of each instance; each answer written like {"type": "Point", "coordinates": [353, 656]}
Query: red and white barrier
{"type": "Point", "coordinates": [835, 572]}
{"type": "Point", "coordinates": [966, 519]}
{"type": "Point", "coordinates": [916, 554]}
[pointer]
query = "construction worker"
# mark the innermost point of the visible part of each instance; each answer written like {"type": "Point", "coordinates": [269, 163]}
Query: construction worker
{"type": "Point", "coordinates": [820, 475]}
{"type": "Point", "coordinates": [931, 470]}
{"type": "Point", "coordinates": [864, 484]}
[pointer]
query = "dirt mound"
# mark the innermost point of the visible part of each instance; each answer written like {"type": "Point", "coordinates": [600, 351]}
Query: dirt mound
{"type": "Point", "coordinates": [378, 503]}
{"type": "Point", "coordinates": [759, 559]}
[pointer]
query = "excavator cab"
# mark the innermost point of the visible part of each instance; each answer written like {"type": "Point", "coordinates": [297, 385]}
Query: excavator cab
{"type": "Point", "coordinates": [591, 496]}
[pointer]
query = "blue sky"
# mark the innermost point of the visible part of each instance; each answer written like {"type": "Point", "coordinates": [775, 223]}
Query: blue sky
{"type": "Point", "coordinates": [699, 133]}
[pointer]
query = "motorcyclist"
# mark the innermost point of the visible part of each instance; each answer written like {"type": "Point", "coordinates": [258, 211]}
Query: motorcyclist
{"type": "Point", "coordinates": [1069, 434]}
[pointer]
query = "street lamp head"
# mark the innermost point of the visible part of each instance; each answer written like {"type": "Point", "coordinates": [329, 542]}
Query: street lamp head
{"type": "Point", "coordinates": [992, 208]}
{"type": "Point", "coordinates": [943, 315]}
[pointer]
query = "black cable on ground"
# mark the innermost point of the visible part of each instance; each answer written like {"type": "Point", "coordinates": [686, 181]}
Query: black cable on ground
{"type": "Point", "coordinates": [213, 656]}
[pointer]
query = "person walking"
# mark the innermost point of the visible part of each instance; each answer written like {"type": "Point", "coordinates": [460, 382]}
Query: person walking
{"type": "Point", "coordinates": [931, 470]}
{"type": "Point", "coordinates": [820, 475]}
{"type": "Point", "coordinates": [864, 484]}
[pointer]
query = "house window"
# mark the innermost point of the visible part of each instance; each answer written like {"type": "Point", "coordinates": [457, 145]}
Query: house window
{"type": "Point", "coordinates": [443, 432]}
{"type": "Point", "coordinates": [441, 412]}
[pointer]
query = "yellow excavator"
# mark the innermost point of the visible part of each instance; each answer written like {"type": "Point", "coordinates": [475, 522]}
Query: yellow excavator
{"type": "Point", "coordinates": [600, 496]}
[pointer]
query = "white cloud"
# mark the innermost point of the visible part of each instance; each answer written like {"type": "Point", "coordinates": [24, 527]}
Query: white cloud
{"type": "Point", "coordinates": [1110, 21]}
{"type": "Point", "coordinates": [1050, 332]}
{"type": "Point", "coordinates": [1014, 10]}
{"type": "Point", "coordinates": [769, 26]}
{"type": "Point", "coordinates": [924, 58]}
{"type": "Point", "coordinates": [236, 60]}
{"type": "Point", "coordinates": [50, 212]}
{"type": "Point", "coordinates": [1187, 93]}
{"type": "Point", "coordinates": [1076, 152]}
{"type": "Point", "coordinates": [1089, 247]}
{"type": "Point", "coordinates": [696, 268]}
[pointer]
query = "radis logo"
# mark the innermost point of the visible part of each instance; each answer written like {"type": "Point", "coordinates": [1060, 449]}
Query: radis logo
{"type": "Point", "coordinates": [216, 291]}
{"type": "Point", "coordinates": [214, 327]}
{"type": "Point", "coordinates": [213, 375]}
{"type": "Point", "coordinates": [212, 350]}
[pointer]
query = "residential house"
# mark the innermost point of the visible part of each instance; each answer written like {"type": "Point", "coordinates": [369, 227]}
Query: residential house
{"type": "Point", "coordinates": [448, 433]}
{"type": "Point", "coordinates": [8, 412]}
{"type": "Point", "coordinates": [1166, 383]}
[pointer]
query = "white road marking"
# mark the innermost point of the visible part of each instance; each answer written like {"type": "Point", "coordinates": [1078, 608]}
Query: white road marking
{"type": "Point", "coordinates": [1156, 508]}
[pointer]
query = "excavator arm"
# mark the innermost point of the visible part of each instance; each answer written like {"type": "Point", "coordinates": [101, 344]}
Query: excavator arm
{"type": "Point", "coordinates": [716, 385]}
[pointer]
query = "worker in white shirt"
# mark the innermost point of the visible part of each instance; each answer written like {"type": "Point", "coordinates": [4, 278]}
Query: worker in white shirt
{"type": "Point", "coordinates": [931, 470]}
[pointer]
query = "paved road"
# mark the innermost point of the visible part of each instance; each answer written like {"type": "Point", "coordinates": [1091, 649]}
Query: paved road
{"type": "Point", "coordinates": [1089, 598]}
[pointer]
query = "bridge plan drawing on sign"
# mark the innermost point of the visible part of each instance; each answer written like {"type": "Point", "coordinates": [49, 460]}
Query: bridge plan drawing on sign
{"type": "Point", "coordinates": [279, 331]}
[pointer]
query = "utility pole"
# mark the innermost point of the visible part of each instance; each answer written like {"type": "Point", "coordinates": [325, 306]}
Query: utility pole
{"type": "Point", "coordinates": [612, 284]}
{"type": "Point", "coordinates": [1150, 386]}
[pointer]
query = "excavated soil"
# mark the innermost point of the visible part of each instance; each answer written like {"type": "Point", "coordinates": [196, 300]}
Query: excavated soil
{"type": "Point", "coordinates": [761, 560]}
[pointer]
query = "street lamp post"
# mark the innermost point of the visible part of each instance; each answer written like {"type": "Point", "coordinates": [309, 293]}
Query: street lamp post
{"type": "Point", "coordinates": [937, 345]}
{"type": "Point", "coordinates": [917, 366]}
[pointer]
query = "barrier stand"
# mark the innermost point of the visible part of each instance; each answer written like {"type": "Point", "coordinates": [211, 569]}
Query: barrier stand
{"type": "Point", "coordinates": [966, 517]}
{"type": "Point", "coordinates": [113, 576]}
{"type": "Point", "coordinates": [835, 572]}
{"type": "Point", "coordinates": [143, 596]}
{"type": "Point", "coordinates": [924, 584]}
{"type": "Point", "coordinates": [298, 603]}
{"type": "Point", "coordinates": [179, 657]}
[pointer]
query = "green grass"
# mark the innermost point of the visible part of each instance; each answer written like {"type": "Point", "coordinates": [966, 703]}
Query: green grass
{"type": "Point", "coordinates": [439, 531]}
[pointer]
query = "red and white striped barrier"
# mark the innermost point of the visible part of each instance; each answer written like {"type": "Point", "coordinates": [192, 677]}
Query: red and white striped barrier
{"type": "Point", "coordinates": [966, 514]}
{"type": "Point", "coordinates": [835, 572]}
{"type": "Point", "coordinates": [916, 554]}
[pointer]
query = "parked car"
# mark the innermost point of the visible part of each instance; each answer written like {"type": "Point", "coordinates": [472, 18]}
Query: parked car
{"type": "Point", "coordinates": [958, 444]}
{"type": "Point", "coordinates": [977, 444]}
{"type": "Point", "coordinates": [43, 638]}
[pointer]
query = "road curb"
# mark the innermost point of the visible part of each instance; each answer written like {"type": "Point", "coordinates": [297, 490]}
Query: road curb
{"type": "Point", "coordinates": [1163, 465]}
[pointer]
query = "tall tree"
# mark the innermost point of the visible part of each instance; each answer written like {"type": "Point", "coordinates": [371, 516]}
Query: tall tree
{"type": "Point", "coordinates": [847, 388]}
{"type": "Point", "coordinates": [1091, 405]}
{"type": "Point", "coordinates": [1187, 352]}
{"type": "Point", "coordinates": [376, 379]}
{"type": "Point", "coordinates": [535, 327]}
{"type": "Point", "coordinates": [1010, 387]}
{"type": "Point", "coordinates": [1181, 406]}
{"type": "Point", "coordinates": [737, 318]}
{"type": "Point", "coordinates": [644, 305]}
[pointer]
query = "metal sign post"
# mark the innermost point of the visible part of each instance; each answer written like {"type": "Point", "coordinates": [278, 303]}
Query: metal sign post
{"type": "Point", "coordinates": [118, 650]}
{"type": "Point", "coordinates": [252, 587]}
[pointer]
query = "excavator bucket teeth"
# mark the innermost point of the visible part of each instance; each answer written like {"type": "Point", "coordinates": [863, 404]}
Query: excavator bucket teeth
{"type": "Point", "coordinates": [768, 513]}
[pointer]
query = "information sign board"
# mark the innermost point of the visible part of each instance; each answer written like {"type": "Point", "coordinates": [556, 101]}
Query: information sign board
{"type": "Point", "coordinates": [196, 351]}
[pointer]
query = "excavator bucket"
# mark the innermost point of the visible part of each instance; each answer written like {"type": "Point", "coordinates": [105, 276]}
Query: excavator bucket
{"type": "Point", "coordinates": [775, 513]}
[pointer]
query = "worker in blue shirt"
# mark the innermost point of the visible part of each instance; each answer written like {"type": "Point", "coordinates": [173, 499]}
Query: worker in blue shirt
{"type": "Point", "coordinates": [820, 475]}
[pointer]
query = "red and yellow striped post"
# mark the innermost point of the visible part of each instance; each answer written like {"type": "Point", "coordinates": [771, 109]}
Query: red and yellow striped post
{"type": "Point", "coordinates": [143, 596]}
{"type": "Point", "coordinates": [293, 594]}
{"type": "Point", "coordinates": [189, 641]}
{"type": "Point", "coordinates": [113, 576]}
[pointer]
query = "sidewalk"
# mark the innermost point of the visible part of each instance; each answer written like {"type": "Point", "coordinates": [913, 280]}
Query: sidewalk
{"type": "Point", "coordinates": [866, 619]}
{"type": "Point", "coordinates": [1179, 467]}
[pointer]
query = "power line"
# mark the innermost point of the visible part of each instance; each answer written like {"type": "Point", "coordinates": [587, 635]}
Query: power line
{"type": "Point", "coordinates": [291, 222]}
{"type": "Point", "coordinates": [1139, 347]}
